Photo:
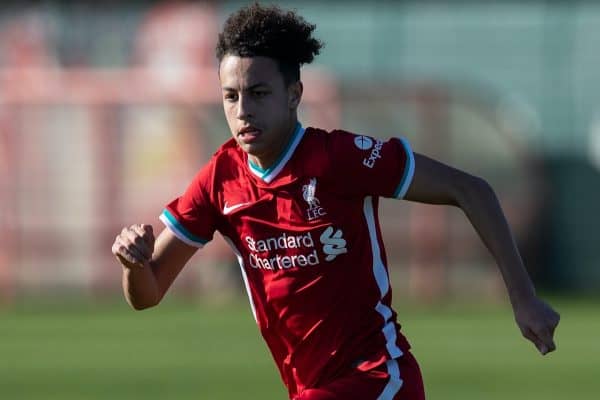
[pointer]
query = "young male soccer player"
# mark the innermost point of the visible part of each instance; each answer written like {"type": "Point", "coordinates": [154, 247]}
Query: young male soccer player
{"type": "Point", "coordinates": [299, 208]}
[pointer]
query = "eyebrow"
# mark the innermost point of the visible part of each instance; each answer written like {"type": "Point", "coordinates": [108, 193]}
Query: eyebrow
{"type": "Point", "coordinates": [256, 85]}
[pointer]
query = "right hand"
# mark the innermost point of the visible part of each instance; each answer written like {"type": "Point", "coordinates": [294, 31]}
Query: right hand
{"type": "Point", "coordinates": [134, 246]}
{"type": "Point", "coordinates": [537, 322]}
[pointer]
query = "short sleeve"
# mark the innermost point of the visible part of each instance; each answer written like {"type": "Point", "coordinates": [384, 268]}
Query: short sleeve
{"type": "Point", "coordinates": [191, 216]}
{"type": "Point", "coordinates": [363, 165]}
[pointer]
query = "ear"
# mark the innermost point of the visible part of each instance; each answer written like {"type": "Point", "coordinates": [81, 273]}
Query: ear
{"type": "Point", "coordinates": [295, 94]}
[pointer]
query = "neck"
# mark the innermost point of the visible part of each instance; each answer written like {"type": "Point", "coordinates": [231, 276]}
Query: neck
{"type": "Point", "coordinates": [264, 161]}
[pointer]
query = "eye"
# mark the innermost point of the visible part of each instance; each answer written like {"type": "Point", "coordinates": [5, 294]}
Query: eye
{"type": "Point", "coordinates": [260, 93]}
{"type": "Point", "coordinates": [230, 96]}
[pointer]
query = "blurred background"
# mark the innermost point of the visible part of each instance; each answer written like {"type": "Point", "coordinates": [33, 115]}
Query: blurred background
{"type": "Point", "coordinates": [107, 110]}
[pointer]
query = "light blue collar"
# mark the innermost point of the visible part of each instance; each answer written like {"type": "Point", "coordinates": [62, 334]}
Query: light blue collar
{"type": "Point", "coordinates": [270, 173]}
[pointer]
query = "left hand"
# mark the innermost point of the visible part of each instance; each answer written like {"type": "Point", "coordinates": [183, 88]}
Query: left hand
{"type": "Point", "coordinates": [537, 322]}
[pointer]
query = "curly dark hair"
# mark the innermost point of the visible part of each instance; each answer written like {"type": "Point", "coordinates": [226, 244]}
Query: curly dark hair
{"type": "Point", "coordinates": [269, 31]}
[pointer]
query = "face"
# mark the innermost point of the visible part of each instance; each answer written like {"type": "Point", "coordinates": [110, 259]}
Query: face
{"type": "Point", "coordinates": [260, 109]}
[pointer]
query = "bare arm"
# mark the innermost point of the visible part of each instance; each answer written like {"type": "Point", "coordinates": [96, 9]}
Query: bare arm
{"type": "Point", "coordinates": [149, 268]}
{"type": "Point", "coordinates": [436, 183]}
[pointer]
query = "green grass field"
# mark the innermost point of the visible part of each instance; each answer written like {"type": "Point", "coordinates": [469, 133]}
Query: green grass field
{"type": "Point", "coordinates": [185, 351]}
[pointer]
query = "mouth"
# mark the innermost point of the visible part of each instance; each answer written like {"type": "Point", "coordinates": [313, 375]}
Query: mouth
{"type": "Point", "coordinates": [249, 134]}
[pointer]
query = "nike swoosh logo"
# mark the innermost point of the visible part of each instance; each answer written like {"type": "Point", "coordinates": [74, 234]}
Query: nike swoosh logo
{"type": "Point", "coordinates": [229, 209]}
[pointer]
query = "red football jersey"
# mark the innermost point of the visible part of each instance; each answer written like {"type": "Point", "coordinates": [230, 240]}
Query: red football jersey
{"type": "Point", "coordinates": [307, 238]}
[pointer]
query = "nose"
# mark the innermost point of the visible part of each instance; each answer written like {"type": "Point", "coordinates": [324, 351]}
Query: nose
{"type": "Point", "coordinates": [243, 108]}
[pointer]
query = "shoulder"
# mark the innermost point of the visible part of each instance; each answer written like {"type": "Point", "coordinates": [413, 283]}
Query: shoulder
{"type": "Point", "coordinates": [323, 134]}
{"type": "Point", "coordinates": [222, 165]}
{"type": "Point", "coordinates": [311, 154]}
{"type": "Point", "coordinates": [319, 148]}
{"type": "Point", "coordinates": [228, 150]}
{"type": "Point", "coordinates": [317, 138]}
{"type": "Point", "coordinates": [226, 156]}
{"type": "Point", "coordinates": [333, 137]}
{"type": "Point", "coordinates": [337, 141]}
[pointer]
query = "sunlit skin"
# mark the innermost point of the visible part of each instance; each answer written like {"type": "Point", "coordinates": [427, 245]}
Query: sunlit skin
{"type": "Point", "coordinates": [260, 110]}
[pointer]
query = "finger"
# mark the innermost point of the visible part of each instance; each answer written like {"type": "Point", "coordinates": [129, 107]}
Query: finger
{"type": "Point", "coordinates": [149, 231]}
{"type": "Point", "coordinates": [147, 234]}
{"type": "Point", "coordinates": [532, 337]}
{"type": "Point", "coordinates": [115, 247]}
{"type": "Point", "coordinates": [546, 338]}
{"type": "Point", "coordinates": [138, 254]}
{"type": "Point", "coordinates": [131, 249]}
{"type": "Point", "coordinates": [528, 334]}
{"type": "Point", "coordinates": [136, 241]}
{"type": "Point", "coordinates": [126, 258]}
{"type": "Point", "coordinates": [544, 347]}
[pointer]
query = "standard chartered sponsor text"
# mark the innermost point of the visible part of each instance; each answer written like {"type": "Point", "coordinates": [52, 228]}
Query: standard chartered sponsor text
{"type": "Point", "coordinates": [284, 262]}
{"type": "Point", "coordinates": [282, 242]}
